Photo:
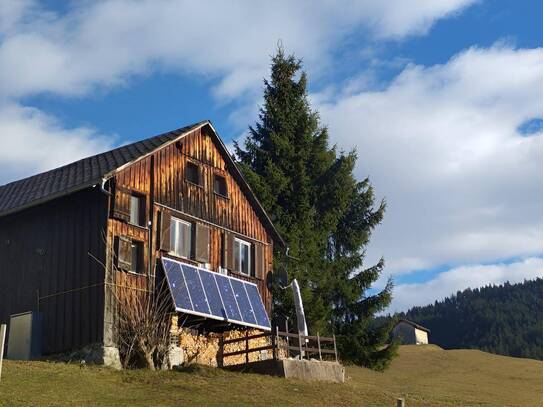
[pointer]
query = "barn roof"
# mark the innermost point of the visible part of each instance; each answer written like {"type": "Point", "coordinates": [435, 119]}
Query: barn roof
{"type": "Point", "coordinates": [413, 324]}
{"type": "Point", "coordinates": [87, 172]}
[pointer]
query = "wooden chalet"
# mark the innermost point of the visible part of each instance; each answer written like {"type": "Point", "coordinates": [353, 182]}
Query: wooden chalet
{"type": "Point", "coordinates": [68, 234]}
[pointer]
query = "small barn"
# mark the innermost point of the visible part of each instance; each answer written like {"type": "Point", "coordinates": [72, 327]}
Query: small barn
{"type": "Point", "coordinates": [410, 333]}
{"type": "Point", "coordinates": [172, 206]}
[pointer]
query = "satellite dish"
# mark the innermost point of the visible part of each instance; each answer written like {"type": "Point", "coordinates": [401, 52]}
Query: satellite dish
{"type": "Point", "coordinates": [281, 277]}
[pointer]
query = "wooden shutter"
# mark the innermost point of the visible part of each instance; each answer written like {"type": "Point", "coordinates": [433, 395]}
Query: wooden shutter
{"type": "Point", "coordinates": [258, 262]}
{"type": "Point", "coordinates": [121, 204]}
{"type": "Point", "coordinates": [164, 232]}
{"type": "Point", "coordinates": [228, 250]}
{"type": "Point", "coordinates": [123, 253]}
{"type": "Point", "coordinates": [201, 252]}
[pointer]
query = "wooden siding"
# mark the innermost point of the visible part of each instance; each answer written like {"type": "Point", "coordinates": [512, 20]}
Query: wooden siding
{"type": "Point", "coordinates": [160, 177]}
{"type": "Point", "coordinates": [44, 252]}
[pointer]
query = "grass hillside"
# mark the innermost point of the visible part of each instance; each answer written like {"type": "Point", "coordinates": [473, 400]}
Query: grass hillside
{"type": "Point", "coordinates": [426, 376]}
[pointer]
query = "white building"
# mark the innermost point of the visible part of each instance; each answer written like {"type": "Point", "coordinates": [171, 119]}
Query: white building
{"type": "Point", "coordinates": [410, 333]}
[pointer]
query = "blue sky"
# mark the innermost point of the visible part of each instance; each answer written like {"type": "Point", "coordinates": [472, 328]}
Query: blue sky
{"type": "Point", "coordinates": [441, 99]}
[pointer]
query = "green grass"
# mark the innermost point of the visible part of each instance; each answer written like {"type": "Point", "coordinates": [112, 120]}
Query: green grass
{"type": "Point", "coordinates": [426, 376]}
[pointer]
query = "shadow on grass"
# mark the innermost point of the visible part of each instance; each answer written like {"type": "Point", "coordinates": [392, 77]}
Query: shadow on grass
{"type": "Point", "coordinates": [201, 370]}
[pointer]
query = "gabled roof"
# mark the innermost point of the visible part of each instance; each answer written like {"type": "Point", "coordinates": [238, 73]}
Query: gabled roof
{"type": "Point", "coordinates": [414, 325]}
{"type": "Point", "coordinates": [87, 172]}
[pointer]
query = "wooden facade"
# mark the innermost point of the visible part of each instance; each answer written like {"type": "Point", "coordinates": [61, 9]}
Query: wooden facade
{"type": "Point", "coordinates": [79, 234]}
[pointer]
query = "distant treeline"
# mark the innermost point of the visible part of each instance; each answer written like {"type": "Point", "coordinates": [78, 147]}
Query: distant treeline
{"type": "Point", "coordinates": [505, 319]}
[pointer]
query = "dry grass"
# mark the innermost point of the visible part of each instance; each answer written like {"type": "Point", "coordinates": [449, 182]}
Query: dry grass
{"type": "Point", "coordinates": [426, 376]}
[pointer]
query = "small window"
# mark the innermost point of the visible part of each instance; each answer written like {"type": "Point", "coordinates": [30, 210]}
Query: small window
{"type": "Point", "coordinates": [130, 255]}
{"type": "Point", "coordinates": [137, 265]}
{"type": "Point", "coordinates": [242, 256]}
{"type": "Point", "coordinates": [192, 173]}
{"type": "Point", "coordinates": [181, 237]}
{"type": "Point", "coordinates": [219, 185]}
{"type": "Point", "coordinates": [137, 210]}
{"type": "Point", "coordinates": [124, 253]}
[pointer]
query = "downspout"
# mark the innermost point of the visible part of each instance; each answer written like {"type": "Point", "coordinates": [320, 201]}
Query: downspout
{"type": "Point", "coordinates": [103, 189]}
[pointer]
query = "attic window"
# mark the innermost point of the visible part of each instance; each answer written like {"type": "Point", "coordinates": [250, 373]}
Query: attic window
{"type": "Point", "coordinates": [137, 212]}
{"type": "Point", "coordinates": [192, 173]}
{"type": "Point", "coordinates": [219, 186]}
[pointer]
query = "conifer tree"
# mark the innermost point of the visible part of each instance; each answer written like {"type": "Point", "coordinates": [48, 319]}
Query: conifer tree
{"type": "Point", "coordinates": [324, 213]}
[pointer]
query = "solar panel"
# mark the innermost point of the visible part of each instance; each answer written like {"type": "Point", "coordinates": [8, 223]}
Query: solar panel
{"type": "Point", "coordinates": [201, 292]}
{"type": "Point", "coordinates": [196, 291]}
{"type": "Point", "coordinates": [228, 298]}
{"type": "Point", "coordinates": [213, 297]}
{"type": "Point", "coordinates": [258, 307]}
{"type": "Point", "coordinates": [245, 306]}
{"type": "Point", "coordinates": [178, 286]}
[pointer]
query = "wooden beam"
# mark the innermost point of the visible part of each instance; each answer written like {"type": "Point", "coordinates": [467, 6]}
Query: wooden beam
{"type": "Point", "coordinates": [3, 329]}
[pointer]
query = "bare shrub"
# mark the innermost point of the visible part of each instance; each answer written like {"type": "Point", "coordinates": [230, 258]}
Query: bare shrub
{"type": "Point", "coordinates": [143, 320]}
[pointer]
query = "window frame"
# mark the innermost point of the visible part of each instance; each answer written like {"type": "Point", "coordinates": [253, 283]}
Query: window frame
{"type": "Point", "coordinates": [222, 177]}
{"type": "Point", "coordinates": [198, 174]}
{"type": "Point", "coordinates": [249, 246]}
{"type": "Point", "coordinates": [137, 247]}
{"type": "Point", "coordinates": [173, 242]}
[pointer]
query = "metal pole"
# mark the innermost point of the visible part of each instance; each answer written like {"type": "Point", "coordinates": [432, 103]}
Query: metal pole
{"type": "Point", "coordinates": [319, 345]}
{"type": "Point", "coordinates": [300, 345]}
{"type": "Point", "coordinates": [3, 328]}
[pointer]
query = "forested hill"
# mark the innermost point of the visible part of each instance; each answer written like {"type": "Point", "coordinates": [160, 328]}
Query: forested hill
{"type": "Point", "coordinates": [505, 319]}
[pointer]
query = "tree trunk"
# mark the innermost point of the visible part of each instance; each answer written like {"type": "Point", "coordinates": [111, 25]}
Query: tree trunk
{"type": "Point", "coordinates": [150, 361]}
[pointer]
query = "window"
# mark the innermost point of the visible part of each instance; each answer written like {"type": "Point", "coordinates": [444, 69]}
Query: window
{"type": "Point", "coordinates": [242, 256]}
{"type": "Point", "coordinates": [219, 185]}
{"type": "Point", "coordinates": [180, 237]}
{"type": "Point", "coordinates": [192, 173]}
{"type": "Point", "coordinates": [137, 214]}
{"type": "Point", "coordinates": [130, 255]}
{"type": "Point", "coordinates": [124, 253]}
{"type": "Point", "coordinates": [137, 265]}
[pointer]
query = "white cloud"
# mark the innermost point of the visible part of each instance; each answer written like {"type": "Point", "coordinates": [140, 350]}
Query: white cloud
{"type": "Point", "coordinates": [104, 43]}
{"type": "Point", "coordinates": [457, 279]}
{"type": "Point", "coordinates": [33, 142]}
{"type": "Point", "coordinates": [441, 144]}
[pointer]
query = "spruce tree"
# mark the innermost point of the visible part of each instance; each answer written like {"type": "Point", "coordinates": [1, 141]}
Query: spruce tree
{"type": "Point", "coordinates": [324, 213]}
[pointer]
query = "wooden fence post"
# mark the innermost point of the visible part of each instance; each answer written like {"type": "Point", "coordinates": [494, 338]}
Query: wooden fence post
{"type": "Point", "coordinates": [221, 350]}
{"type": "Point", "coordinates": [288, 340]}
{"type": "Point", "coordinates": [400, 402]}
{"type": "Point", "coordinates": [246, 347]}
{"type": "Point", "coordinates": [319, 346]}
{"type": "Point", "coordinates": [335, 347]}
{"type": "Point", "coordinates": [275, 343]}
{"type": "Point", "coordinates": [3, 328]}
{"type": "Point", "coordinates": [300, 345]}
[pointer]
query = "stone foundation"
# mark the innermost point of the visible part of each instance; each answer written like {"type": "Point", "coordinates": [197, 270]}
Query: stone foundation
{"type": "Point", "coordinates": [96, 353]}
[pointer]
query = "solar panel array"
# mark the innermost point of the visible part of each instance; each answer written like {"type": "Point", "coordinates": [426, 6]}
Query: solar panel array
{"type": "Point", "coordinates": [201, 292]}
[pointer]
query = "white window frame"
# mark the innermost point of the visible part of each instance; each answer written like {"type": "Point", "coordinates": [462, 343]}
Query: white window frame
{"type": "Point", "coordinates": [173, 243]}
{"type": "Point", "coordinates": [249, 265]}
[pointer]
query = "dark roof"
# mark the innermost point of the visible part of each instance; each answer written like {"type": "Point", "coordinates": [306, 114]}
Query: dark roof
{"type": "Point", "coordinates": [28, 192]}
{"type": "Point", "coordinates": [413, 324]}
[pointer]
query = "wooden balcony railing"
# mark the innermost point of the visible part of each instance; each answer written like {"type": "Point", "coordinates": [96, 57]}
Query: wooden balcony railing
{"type": "Point", "coordinates": [299, 346]}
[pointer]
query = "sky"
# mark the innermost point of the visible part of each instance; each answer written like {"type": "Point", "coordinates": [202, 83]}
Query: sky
{"type": "Point", "coordinates": [441, 100]}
